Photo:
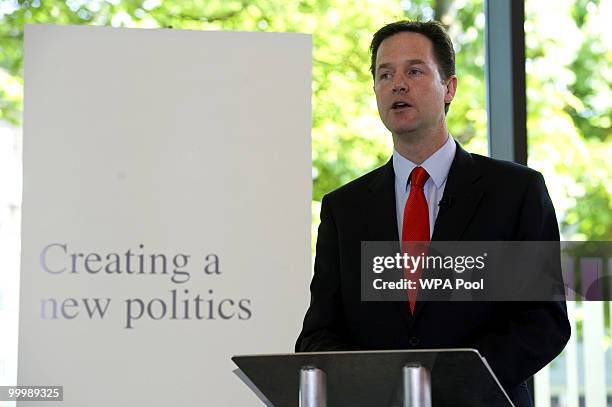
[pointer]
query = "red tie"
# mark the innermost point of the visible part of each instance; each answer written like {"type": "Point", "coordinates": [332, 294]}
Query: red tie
{"type": "Point", "coordinates": [415, 227]}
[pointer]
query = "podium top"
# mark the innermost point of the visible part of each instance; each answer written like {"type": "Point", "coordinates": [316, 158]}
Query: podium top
{"type": "Point", "coordinates": [459, 377]}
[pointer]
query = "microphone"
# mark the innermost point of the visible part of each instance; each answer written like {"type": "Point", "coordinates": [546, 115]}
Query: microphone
{"type": "Point", "coordinates": [445, 202]}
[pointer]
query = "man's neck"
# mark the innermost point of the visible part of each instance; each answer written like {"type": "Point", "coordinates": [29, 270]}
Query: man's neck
{"type": "Point", "coordinates": [419, 147]}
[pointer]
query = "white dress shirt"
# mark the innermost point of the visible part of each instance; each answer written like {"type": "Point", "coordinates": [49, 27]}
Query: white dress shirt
{"type": "Point", "coordinates": [437, 166]}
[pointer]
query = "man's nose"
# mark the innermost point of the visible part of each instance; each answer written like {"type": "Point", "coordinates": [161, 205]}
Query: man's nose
{"type": "Point", "coordinates": [400, 84]}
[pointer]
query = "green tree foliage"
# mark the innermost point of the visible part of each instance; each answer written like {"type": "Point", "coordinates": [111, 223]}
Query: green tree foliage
{"type": "Point", "coordinates": [569, 109]}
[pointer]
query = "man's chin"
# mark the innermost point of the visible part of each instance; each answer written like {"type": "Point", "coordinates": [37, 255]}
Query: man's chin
{"type": "Point", "coordinates": [404, 132]}
{"type": "Point", "coordinates": [403, 127]}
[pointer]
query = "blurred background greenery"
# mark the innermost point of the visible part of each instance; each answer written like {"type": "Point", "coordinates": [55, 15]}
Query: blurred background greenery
{"type": "Point", "coordinates": [568, 66]}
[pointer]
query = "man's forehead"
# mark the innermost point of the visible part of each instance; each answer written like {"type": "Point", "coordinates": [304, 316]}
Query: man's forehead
{"type": "Point", "coordinates": [407, 46]}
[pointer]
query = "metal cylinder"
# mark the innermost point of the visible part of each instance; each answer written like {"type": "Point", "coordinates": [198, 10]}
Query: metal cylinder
{"type": "Point", "coordinates": [417, 386]}
{"type": "Point", "coordinates": [313, 387]}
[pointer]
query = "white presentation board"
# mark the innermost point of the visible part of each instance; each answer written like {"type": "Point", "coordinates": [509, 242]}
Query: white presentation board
{"type": "Point", "coordinates": [166, 211]}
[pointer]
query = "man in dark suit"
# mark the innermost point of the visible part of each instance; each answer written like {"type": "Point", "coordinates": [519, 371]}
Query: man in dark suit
{"type": "Point", "coordinates": [430, 189]}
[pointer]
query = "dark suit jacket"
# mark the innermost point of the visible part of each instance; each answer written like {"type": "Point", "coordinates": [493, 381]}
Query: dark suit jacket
{"type": "Point", "coordinates": [489, 200]}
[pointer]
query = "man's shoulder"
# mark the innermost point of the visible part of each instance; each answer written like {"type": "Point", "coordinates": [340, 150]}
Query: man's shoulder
{"type": "Point", "coordinates": [501, 171]}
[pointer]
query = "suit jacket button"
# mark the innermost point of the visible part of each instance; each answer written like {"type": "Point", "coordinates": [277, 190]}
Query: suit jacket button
{"type": "Point", "coordinates": [414, 341]}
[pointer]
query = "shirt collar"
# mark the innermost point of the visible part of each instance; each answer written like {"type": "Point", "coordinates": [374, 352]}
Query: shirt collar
{"type": "Point", "coordinates": [437, 165]}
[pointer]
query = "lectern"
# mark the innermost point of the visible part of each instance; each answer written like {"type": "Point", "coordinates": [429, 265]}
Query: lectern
{"type": "Point", "coordinates": [410, 378]}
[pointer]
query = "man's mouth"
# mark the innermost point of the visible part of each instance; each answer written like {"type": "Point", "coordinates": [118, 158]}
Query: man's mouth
{"type": "Point", "coordinates": [400, 105]}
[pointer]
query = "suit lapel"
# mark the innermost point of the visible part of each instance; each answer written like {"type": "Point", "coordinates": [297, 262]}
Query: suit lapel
{"type": "Point", "coordinates": [462, 194]}
{"type": "Point", "coordinates": [382, 222]}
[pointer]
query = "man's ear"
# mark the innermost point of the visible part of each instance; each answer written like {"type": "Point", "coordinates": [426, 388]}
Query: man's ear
{"type": "Point", "coordinates": [451, 88]}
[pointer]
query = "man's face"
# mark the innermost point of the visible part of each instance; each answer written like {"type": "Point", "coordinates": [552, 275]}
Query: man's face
{"type": "Point", "coordinates": [409, 90]}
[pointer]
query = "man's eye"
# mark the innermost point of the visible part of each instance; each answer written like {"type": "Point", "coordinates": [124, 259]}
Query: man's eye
{"type": "Point", "coordinates": [414, 72]}
{"type": "Point", "coordinates": [385, 75]}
